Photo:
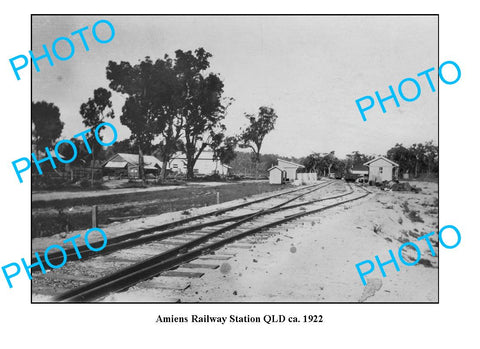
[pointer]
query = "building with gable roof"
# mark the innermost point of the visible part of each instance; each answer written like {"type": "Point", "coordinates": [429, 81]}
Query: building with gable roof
{"type": "Point", "coordinates": [290, 168]}
{"type": "Point", "coordinates": [127, 165]}
{"type": "Point", "coordinates": [276, 175]}
{"type": "Point", "coordinates": [206, 164]}
{"type": "Point", "coordinates": [381, 169]}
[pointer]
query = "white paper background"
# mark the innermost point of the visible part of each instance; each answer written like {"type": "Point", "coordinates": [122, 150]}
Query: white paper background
{"type": "Point", "coordinates": [454, 322]}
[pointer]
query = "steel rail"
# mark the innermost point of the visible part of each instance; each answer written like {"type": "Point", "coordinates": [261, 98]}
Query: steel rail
{"type": "Point", "coordinates": [153, 266]}
{"type": "Point", "coordinates": [137, 238]}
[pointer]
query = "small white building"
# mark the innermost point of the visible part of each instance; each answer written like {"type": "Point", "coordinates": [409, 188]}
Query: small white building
{"type": "Point", "coordinates": [290, 168]}
{"type": "Point", "coordinates": [381, 169]}
{"type": "Point", "coordinates": [205, 165]}
{"type": "Point", "coordinates": [276, 175]}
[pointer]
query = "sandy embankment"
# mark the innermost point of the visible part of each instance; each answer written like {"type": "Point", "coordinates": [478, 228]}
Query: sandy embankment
{"type": "Point", "coordinates": [321, 267]}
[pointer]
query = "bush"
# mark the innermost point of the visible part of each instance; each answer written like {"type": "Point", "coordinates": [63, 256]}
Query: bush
{"type": "Point", "coordinates": [213, 177]}
{"type": "Point", "coordinates": [84, 183]}
{"type": "Point", "coordinates": [405, 207]}
{"type": "Point", "coordinates": [134, 183]}
{"type": "Point", "coordinates": [47, 182]}
{"type": "Point", "coordinates": [414, 216]}
{"type": "Point", "coordinates": [235, 177]}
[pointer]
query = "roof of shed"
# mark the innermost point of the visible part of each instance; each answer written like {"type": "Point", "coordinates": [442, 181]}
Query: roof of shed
{"type": "Point", "coordinates": [274, 167]}
{"type": "Point", "coordinates": [116, 164]}
{"type": "Point", "coordinates": [205, 155]}
{"type": "Point", "coordinates": [378, 158]}
{"type": "Point", "coordinates": [149, 161]}
{"type": "Point", "coordinates": [290, 163]}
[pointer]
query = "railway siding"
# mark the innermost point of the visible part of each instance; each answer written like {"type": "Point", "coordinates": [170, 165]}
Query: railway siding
{"type": "Point", "coordinates": [228, 233]}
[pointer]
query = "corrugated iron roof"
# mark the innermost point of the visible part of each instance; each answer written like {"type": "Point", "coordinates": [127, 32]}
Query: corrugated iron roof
{"type": "Point", "coordinates": [116, 164]}
{"type": "Point", "coordinates": [149, 161]}
{"type": "Point", "coordinates": [290, 163]}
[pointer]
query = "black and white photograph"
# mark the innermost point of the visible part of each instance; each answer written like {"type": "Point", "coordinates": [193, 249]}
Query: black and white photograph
{"type": "Point", "coordinates": [254, 174]}
{"type": "Point", "coordinates": [235, 158]}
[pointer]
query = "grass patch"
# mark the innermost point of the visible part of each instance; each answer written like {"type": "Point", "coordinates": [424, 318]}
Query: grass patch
{"type": "Point", "coordinates": [47, 222]}
{"type": "Point", "coordinates": [414, 216]}
{"type": "Point", "coordinates": [377, 229]}
{"type": "Point", "coordinates": [426, 263]}
{"type": "Point", "coordinates": [413, 234]}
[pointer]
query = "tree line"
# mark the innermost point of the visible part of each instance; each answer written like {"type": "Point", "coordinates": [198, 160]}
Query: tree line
{"type": "Point", "coordinates": [174, 104]}
{"type": "Point", "coordinates": [416, 160]}
{"type": "Point", "coordinates": [177, 104]}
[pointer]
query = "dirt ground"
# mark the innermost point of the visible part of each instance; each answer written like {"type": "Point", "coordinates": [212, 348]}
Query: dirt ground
{"type": "Point", "coordinates": [313, 259]}
{"type": "Point", "coordinates": [321, 267]}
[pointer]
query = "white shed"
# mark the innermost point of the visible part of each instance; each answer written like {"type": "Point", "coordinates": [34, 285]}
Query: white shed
{"type": "Point", "coordinates": [206, 164]}
{"type": "Point", "coordinates": [381, 169]}
{"type": "Point", "coordinates": [290, 168]}
{"type": "Point", "coordinates": [276, 175]}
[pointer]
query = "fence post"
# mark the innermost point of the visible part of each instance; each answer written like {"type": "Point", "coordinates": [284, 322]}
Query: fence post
{"type": "Point", "coordinates": [94, 216]}
{"type": "Point", "coordinates": [218, 197]}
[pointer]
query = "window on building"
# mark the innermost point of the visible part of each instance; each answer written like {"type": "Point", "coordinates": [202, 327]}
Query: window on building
{"type": "Point", "coordinates": [380, 169]}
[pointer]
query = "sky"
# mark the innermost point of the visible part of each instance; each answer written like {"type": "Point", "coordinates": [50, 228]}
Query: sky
{"type": "Point", "coordinates": [310, 69]}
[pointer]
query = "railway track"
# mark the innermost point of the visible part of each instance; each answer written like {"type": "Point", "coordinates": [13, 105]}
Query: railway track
{"type": "Point", "coordinates": [163, 249]}
{"type": "Point", "coordinates": [186, 224]}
